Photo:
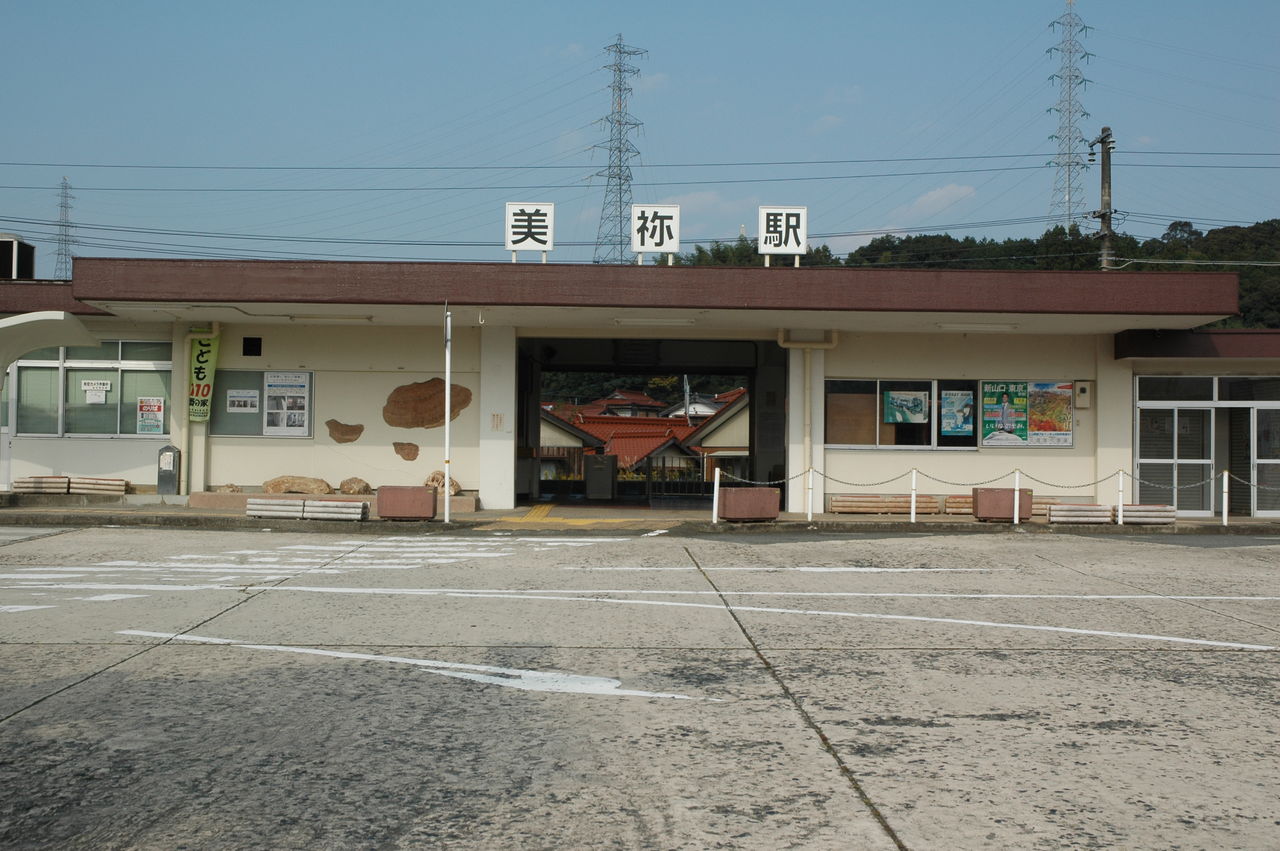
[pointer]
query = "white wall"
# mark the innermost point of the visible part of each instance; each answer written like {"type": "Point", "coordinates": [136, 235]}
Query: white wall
{"type": "Point", "coordinates": [354, 369]}
{"type": "Point", "coordinates": [132, 458]}
{"type": "Point", "coordinates": [994, 357]}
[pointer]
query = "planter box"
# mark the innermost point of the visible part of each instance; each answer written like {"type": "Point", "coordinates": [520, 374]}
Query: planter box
{"type": "Point", "coordinates": [397, 502]}
{"type": "Point", "coordinates": [749, 503]}
{"type": "Point", "coordinates": [997, 504]}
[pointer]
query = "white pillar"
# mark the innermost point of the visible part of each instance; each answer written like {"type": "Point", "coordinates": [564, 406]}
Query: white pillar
{"type": "Point", "coordinates": [496, 477]}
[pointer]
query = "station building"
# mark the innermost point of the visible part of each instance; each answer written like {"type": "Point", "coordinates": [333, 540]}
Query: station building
{"type": "Point", "coordinates": [336, 369]}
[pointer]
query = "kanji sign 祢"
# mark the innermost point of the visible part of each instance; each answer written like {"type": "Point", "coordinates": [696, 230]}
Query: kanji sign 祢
{"type": "Point", "coordinates": [783, 230]}
{"type": "Point", "coordinates": [655, 227]}
{"type": "Point", "coordinates": [530, 227]}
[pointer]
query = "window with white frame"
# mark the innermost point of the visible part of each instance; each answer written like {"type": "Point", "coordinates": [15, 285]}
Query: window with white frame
{"type": "Point", "coordinates": [902, 413]}
{"type": "Point", "coordinates": [117, 388]}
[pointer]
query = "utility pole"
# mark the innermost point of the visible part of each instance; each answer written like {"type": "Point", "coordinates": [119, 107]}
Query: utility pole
{"type": "Point", "coordinates": [62, 267]}
{"type": "Point", "coordinates": [1107, 143]}
{"type": "Point", "coordinates": [613, 239]}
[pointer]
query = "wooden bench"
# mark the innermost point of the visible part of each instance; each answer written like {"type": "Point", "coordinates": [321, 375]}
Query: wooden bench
{"type": "Point", "coordinates": [42, 484]}
{"type": "Point", "coordinates": [875, 503]}
{"type": "Point", "coordinates": [963, 504]}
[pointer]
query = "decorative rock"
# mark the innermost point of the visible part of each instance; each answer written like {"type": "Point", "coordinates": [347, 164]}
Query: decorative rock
{"type": "Point", "coordinates": [228, 489]}
{"type": "Point", "coordinates": [355, 486]}
{"type": "Point", "coordinates": [421, 405]}
{"type": "Point", "coordinates": [436, 480]}
{"type": "Point", "coordinates": [296, 484]}
{"type": "Point", "coordinates": [343, 433]}
{"type": "Point", "coordinates": [407, 451]}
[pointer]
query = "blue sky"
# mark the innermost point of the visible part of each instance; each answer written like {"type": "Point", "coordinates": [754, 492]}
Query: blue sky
{"type": "Point", "coordinates": [491, 90]}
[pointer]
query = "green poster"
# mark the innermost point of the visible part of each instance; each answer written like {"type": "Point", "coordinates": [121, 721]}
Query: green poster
{"type": "Point", "coordinates": [204, 357]}
{"type": "Point", "coordinates": [1004, 413]}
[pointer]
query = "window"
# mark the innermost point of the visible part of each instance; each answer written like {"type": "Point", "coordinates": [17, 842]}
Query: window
{"type": "Point", "coordinates": [1174, 388]}
{"type": "Point", "coordinates": [891, 413]}
{"type": "Point", "coordinates": [115, 388]}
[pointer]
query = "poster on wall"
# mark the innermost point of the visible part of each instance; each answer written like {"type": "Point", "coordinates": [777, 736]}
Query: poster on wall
{"type": "Point", "coordinates": [288, 398]}
{"type": "Point", "coordinates": [1049, 413]}
{"type": "Point", "coordinates": [955, 416]}
{"type": "Point", "coordinates": [242, 401]}
{"type": "Point", "coordinates": [906, 406]}
{"type": "Point", "coordinates": [150, 415]}
{"type": "Point", "coordinates": [1004, 413]}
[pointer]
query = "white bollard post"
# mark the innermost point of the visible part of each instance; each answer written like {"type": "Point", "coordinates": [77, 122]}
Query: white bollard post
{"type": "Point", "coordinates": [913, 494]}
{"type": "Point", "coordinates": [1120, 504]}
{"type": "Point", "coordinates": [1224, 497]}
{"type": "Point", "coordinates": [715, 498]}
{"type": "Point", "coordinates": [1017, 494]}
{"type": "Point", "coordinates": [809, 498]}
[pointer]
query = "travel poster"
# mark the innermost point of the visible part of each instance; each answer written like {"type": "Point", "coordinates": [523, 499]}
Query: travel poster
{"type": "Point", "coordinates": [955, 418]}
{"type": "Point", "coordinates": [1049, 413]}
{"type": "Point", "coordinates": [906, 406]}
{"type": "Point", "coordinates": [1004, 413]}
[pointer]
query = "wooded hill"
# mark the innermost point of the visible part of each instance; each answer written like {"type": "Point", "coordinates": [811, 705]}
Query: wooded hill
{"type": "Point", "coordinates": [1063, 248]}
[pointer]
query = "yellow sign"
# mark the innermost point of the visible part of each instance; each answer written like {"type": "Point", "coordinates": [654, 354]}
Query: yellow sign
{"type": "Point", "coordinates": [204, 358]}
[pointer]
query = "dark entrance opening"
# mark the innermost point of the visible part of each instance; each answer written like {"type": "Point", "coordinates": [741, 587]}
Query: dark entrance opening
{"type": "Point", "coordinates": [762, 366]}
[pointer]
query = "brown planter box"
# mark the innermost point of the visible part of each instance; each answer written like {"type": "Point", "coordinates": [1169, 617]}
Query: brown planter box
{"type": "Point", "coordinates": [997, 504]}
{"type": "Point", "coordinates": [749, 503]}
{"type": "Point", "coordinates": [397, 502]}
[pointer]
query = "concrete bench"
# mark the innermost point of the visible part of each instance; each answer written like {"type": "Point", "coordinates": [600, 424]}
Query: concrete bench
{"type": "Point", "coordinates": [1146, 515]}
{"type": "Point", "coordinates": [307, 509]}
{"type": "Point", "coordinates": [1075, 513]}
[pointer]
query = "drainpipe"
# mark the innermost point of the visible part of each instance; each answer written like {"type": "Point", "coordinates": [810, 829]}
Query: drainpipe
{"type": "Point", "coordinates": [215, 328]}
{"type": "Point", "coordinates": [829, 341]}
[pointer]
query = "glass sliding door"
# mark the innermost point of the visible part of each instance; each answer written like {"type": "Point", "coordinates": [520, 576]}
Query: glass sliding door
{"type": "Point", "coordinates": [1266, 437]}
{"type": "Point", "coordinates": [1175, 458]}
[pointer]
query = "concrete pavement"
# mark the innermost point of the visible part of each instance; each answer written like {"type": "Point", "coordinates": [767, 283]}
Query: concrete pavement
{"type": "Point", "coordinates": [496, 689]}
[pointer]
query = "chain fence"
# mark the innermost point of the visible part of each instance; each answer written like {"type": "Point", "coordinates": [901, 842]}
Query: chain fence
{"type": "Point", "coordinates": [914, 472]}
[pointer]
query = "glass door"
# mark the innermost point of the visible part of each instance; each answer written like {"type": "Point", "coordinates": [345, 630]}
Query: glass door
{"type": "Point", "coordinates": [1175, 459]}
{"type": "Point", "coordinates": [1266, 464]}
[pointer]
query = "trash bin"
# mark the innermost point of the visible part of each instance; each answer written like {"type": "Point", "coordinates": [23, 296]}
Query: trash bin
{"type": "Point", "coordinates": [169, 470]}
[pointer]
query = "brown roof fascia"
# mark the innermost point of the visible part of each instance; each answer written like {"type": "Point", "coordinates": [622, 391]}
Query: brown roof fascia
{"type": "Point", "coordinates": [695, 287]}
{"type": "Point", "coordinates": [1222, 343]}
{"type": "Point", "coordinates": [31, 296]}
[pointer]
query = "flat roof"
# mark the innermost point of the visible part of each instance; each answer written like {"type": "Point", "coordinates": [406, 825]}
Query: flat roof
{"type": "Point", "coordinates": [103, 281]}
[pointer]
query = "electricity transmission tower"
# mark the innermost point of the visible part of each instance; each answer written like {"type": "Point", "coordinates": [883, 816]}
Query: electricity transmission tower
{"type": "Point", "coordinates": [613, 239]}
{"type": "Point", "coordinates": [1067, 195]}
{"type": "Point", "coordinates": [62, 268]}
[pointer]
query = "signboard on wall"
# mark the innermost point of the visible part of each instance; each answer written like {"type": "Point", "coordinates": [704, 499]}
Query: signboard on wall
{"type": "Point", "coordinates": [1027, 413]}
{"type": "Point", "coordinates": [151, 415]}
{"type": "Point", "coordinates": [288, 404]}
{"type": "Point", "coordinates": [204, 358]}
{"type": "Point", "coordinates": [1049, 413]}
{"type": "Point", "coordinates": [1004, 413]}
{"type": "Point", "coordinates": [242, 401]}
{"type": "Point", "coordinates": [955, 414]}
